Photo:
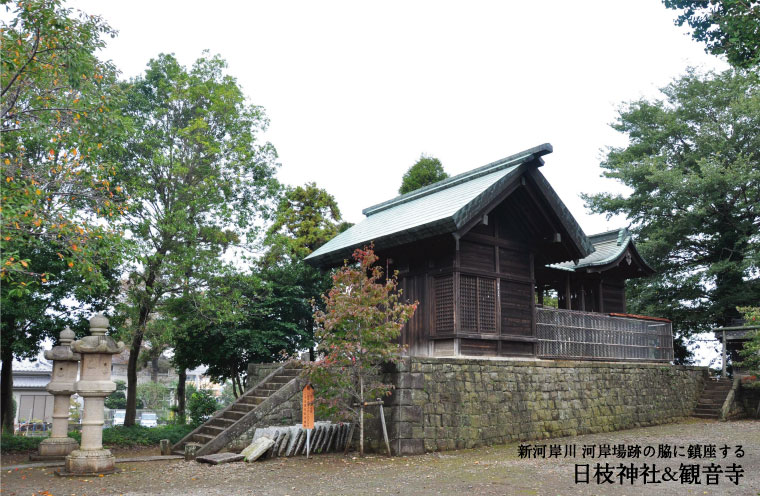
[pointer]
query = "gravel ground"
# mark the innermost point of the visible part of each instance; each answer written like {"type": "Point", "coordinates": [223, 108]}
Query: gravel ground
{"type": "Point", "coordinates": [495, 470]}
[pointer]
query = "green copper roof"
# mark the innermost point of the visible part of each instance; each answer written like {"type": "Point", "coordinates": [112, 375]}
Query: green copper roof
{"type": "Point", "coordinates": [443, 207]}
{"type": "Point", "coordinates": [609, 247]}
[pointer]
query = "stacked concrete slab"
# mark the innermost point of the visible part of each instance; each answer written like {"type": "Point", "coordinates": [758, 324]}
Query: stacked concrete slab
{"type": "Point", "coordinates": [288, 441]}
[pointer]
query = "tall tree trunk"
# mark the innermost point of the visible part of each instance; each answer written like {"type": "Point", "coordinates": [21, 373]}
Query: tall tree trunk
{"type": "Point", "coordinates": [6, 385]}
{"type": "Point", "coordinates": [181, 396]}
{"type": "Point", "coordinates": [154, 368]}
{"type": "Point", "coordinates": [134, 351]}
{"type": "Point", "coordinates": [237, 389]}
{"type": "Point", "coordinates": [361, 416]}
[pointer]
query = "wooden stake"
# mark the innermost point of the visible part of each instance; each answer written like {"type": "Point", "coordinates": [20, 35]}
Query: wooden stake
{"type": "Point", "coordinates": [350, 437]}
{"type": "Point", "coordinates": [385, 431]}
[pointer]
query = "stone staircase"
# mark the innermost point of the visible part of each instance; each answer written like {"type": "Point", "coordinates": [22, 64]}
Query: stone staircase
{"type": "Point", "coordinates": [250, 408]}
{"type": "Point", "coordinates": [712, 398]}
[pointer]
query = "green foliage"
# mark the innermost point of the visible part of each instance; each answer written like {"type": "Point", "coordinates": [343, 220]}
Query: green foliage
{"type": "Point", "coordinates": [57, 183]}
{"type": "Point", "coordinates": [306, 218]}
{"type": "Point", "coordinates": [137, 435]}
{"type": "Point", "coordinates": [153, 395]}
{"type": "Point", "coordinates": [59, 186]}
{"type": "Point", "coordinates": [116, 401]}
{"type": "Point", "coordinates": [726, 27]}
{"type": "Point", "coordinates": [113, 436]}
{"type": "Point", "coordinates": [750, 352]}
{"type": "Point", "coordinates": [693, 168]}
{"type": "Point", "coordinates": [358, 332]}
{"type": "Point", "coordinates": [426, 171]}
{"type": "Point", "coordinates": [242, 319]}
{"type": "Point", "coordinates": [10, 443]}
{"type": "Point", "coordinates": [201, 406]}
{"type": "Point", "coordinates": [199, 178]}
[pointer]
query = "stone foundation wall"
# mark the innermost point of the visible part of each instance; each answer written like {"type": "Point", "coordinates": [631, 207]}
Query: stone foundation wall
{"type": "Point", "coordinates": [443, 404]}
{"type": "Point", "coordinates": [453, 403]}
{"type": "Point", "coordinates": [748, 399]}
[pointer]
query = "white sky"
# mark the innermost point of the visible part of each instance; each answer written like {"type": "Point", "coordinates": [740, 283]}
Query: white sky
{"type": "Point", "coordinates": [356, 91]}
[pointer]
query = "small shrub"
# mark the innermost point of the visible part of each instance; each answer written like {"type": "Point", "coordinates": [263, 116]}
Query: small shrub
{"type": "Point", "coordinates": [10, 443]}
{"type": "Point", "coordinates": [138, 435]}
{"type": "Point", "coordinates": [201, 406]}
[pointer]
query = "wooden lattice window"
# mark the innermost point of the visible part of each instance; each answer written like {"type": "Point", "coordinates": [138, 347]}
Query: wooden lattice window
{"type": "Point", "coordinates": [444, 304]}
{"type": "Point", "coordinates": [468, 303]}
{"type": "Point", "coordinates": [487, 304]}
{"type": "Point", "coordinates": [477, 304]}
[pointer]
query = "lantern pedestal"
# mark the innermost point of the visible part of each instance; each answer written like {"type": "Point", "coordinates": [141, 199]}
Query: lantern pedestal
{"type": "Point", "coordinates": [61, 386]}
{"type": "Point", "coordinates": [94, 385]}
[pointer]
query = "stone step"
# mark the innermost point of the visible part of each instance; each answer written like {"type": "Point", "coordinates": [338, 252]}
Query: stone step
{"type": "Point", "coordinates": [221, 422]}
{"type": "Point", "coordinates": [233, 415]}
{"type": "Point", "coordinates": [705, 415]}
{"type": "Point", "coordinates": [280, 379]}
{"type": "Point", "coordinates": [266, 391]}
{"type": "Point", "coordinates": [241, 407]}
{"type": "Point", "coordinates": [715, 394]}
{"type": "Point", "coordinates": [251, 400]}
{"type": "Point", "coordinates": [707, 410]}
{"type": "Point", "coordinates": [203, 438]}
{"type": "Point", "coordinates": [213, 429]}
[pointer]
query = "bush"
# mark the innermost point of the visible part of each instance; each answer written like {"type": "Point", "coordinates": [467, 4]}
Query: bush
{"type": "Point", "coordinates": [201, 406]}
{"type": "Point", "coordinates": [10, 443]}
{"type": "Point", "coordinates": [121, 436]}
{"type": "Point", "coordinates": [138, 435]}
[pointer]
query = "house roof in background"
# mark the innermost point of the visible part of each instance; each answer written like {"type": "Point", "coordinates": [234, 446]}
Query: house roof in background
{"type": "Point", "coordinates": [28, 367]}
{"type": "Point", "coordinates": [609, 249]}
{"type": "Point", "coordinates": [444, 207]}
{"type": "Point", "coordinates": [31, 381]}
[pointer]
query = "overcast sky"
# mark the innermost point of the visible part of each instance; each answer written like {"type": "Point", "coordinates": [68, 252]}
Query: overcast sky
{"type": "Point", "coordinates": [356, 91]}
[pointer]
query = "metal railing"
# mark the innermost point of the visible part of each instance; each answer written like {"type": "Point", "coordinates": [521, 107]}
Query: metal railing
{"type": "Point", "coordinates": [595, 336]}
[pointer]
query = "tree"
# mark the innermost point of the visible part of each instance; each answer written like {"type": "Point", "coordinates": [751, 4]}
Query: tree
{"type": "Point", "coordinates": [693, 167]}
{"type": "Point", "coordinates": [726, 27]}
{"type": "Point", "coordinates": [358, 332]}
{"type": "Point", "coordinates": [426, 171]}
{"type": "Point", "coordinates": [199, 178]}
{"type": "Point", "coordinates": [153, 395]}
{"type": "Point", "coordinates": [201, 406]}
{"type": "Point", "coordinates": [306, 218]}
{"type": "Point", "coordinates": [117, 400]}
{"type": "Point", "coordinates": [59, 192]}
{"type": "Point", "coordinates": [750, 352]}
{"type": "Point", "coordinates": [239, 319]}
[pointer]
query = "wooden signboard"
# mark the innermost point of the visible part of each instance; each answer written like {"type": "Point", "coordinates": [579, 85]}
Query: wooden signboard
{"type": "Point", "coordinates": [308, 407]}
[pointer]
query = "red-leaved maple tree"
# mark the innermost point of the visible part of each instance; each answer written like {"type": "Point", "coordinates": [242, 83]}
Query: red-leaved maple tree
{"type": "Point", "coordinates": [358, 332]}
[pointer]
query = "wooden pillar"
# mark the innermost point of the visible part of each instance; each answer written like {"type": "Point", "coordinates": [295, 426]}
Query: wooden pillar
{"type": "Point", "coordinates": [583, 297]}
{"type": "Point", "coordinates": [601, 297]}
{"type": "Point", "coordinates": [568, 302]}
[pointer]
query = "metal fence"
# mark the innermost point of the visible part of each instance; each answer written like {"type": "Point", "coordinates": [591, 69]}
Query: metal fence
{"type": "Point", "coordinates": [596, 336]}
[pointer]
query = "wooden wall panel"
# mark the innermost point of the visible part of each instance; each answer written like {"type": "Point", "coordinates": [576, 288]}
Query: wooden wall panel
{"type": "Point", "coordinates": [478, 347]}
{"type": "Point", "coordinates": [512, 262]}
{"type": "Point", "coordinates": [516, 314]}
{"type": "Point", "coordinates": [443, 347]}
{"type": "Point", "coordinates": [415, 333]}
{"type": "Point", "coordinates": [513, 348]}
{"type": "Point", "coordinates": [476, 256]}
{"type": "Point", "coordinates": [614, 296]}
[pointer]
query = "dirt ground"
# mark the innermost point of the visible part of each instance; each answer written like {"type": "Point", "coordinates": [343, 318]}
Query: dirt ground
{"type": "Point", "coordinates": [495, 470]}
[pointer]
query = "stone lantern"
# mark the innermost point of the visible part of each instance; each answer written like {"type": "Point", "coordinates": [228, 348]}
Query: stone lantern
{"type": "Point", "coordinates": [94, 385]}
{"type": "Point", "coordinates": [61, 386]}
